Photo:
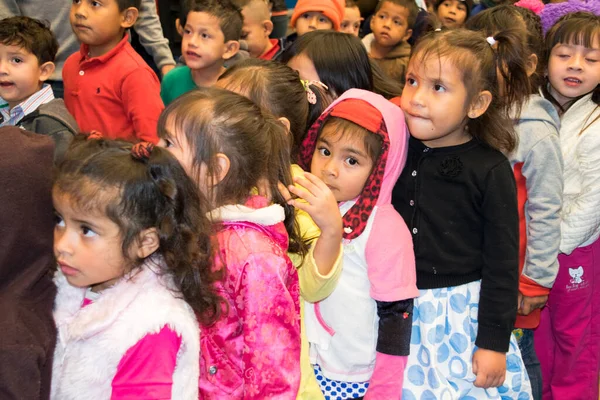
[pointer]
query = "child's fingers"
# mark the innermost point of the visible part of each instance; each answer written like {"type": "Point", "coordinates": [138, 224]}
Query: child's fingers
{"type": "Point", "coordinates": [302, 193]}
{"type": "Point", "coordinates": [300, 205]}
{"type": "Point", "coordinates": [307, 184]}
{"type": "Point", "coordinates": [316, 181]}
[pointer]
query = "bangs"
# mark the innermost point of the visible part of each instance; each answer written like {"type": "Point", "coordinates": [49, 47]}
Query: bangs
{"type": "Point", "coordinates": [578, 29]}
{"type": "Point", "coordinates": [352, 133]}
{"type": "Point", "coordinates": [87, 195]}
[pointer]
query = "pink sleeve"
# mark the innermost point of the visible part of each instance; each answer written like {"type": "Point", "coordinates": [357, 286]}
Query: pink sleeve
{"type": "Point", "coordinates": [142, 103]}
{"type": "Point", "coordinates": [390, 258]}
{"type": "Point", "coordinates": [146, 369]}
{"type": "Point", "coordinates": [271, 327]}
{"type": "Point", "coordinates": [388, 377]}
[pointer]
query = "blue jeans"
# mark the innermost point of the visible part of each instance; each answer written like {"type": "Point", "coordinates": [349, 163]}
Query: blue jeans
{"type": "Point", "coordinates": [532, 364]}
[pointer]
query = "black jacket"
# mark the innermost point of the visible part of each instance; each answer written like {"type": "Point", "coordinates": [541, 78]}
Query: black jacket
{"type": "Point", "coordinates": [460, 203]}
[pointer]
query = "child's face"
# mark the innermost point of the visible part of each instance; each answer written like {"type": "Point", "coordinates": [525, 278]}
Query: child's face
{"type": "Point", "coordinates": [87, 245]}
{"type": "Point", "coordinates": [573, 70]}
{"type": "Point", "coordinates": [203, 44]}
{"type": "Point", "coordinates": [255, 33]}
{"type": "Point", "coordinates": [452, 13]}
{"type": "Point", "coordinates": [99, 24]}
{"type": "Point", "coordinates": [351, 22]}
{"type": "Point", "coordinates": [21, 75]}
{"type": "Point", "coordinates": [342, 163]}
{"type": "Point", "coordinates": [305, 67]}
{"type": "Point", "coordinates": [435, 102]}
{"type": "Point", "coordinates": [312, 21]}
{"type": "Point", "coordinates": [390, 25]}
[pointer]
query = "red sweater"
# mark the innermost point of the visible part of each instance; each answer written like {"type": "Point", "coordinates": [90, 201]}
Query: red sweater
{"type": "Point", "coordinates": [117, 93]}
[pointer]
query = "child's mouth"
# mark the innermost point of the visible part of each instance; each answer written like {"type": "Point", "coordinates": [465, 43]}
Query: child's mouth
{"type": "Point", "coordinates": [6, 84]}
{"type": "Point", "coordinates": [572, 81]}
{"type": "Point", "coordinates": [192, 54]}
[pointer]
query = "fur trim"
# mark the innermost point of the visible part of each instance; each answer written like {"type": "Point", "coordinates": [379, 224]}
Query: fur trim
{"type": "Point", "coordinates": [93, 340]}
{"type": "Point", "coordinates": [266, 216]}
{"type": "Point", "coordinates": [553, 12]}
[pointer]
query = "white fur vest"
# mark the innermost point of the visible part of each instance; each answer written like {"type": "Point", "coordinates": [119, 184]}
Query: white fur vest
{"type": "Point", "coordinates": [92, 340]}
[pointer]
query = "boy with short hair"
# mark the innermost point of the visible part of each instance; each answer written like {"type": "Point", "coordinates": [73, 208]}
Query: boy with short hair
{"type": "Point", "coordinates": [257, 29]}
{"type": "Point", "coordinates": [108, 86]}
{"type": "Point", "coordinates": [211, 35]}
{"type": "Point", "coordinates": [388, 45]}
{"type": "Point", "coordinates": [27, 52]}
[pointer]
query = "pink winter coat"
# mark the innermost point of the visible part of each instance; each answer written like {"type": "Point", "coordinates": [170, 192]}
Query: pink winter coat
{"type": "Point", "coordinates": [253, 351]}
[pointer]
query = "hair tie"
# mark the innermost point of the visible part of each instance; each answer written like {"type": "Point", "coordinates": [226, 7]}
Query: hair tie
{"type": "Point", "coordinates": [491, 40]}
{"type": "Point", "coordinates": [310, 95]}
{"type": "Point", "coordinates": [94, 135]}
{"type": "Point", "coordinates": [437, 30]}
{"type": "Point", "coordinates": [142, 150]}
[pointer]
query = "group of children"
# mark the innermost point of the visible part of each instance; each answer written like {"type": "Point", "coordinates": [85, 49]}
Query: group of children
{"type": "Point", "coordinates": [329, 219]}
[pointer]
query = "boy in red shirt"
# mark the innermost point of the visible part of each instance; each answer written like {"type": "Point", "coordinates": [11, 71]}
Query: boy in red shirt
{"type": "Point", "coordinates": [108, 86]}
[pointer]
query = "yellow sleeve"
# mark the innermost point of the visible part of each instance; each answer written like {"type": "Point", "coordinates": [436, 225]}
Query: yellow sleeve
{"type": "Point", "coordinates": [313, 286]}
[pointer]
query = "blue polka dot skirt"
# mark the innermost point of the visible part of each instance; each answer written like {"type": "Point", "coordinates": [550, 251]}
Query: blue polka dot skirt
{"type": "Point", "coordinates": [442, 346]}
{"type": "Point", "coordinates": [337, 390]}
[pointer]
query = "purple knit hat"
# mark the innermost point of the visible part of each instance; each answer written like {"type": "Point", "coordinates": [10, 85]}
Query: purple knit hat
{"type": "Point", "coordinates": [552, 12]}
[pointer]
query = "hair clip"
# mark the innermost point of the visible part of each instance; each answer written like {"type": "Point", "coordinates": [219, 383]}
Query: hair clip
{"type": "Point", "coordinates": [310, 95]}
{"type": "Point", "coordinates": [94, 135]}
{"type": "Point", "coordinates": [491, 40]}
{"type": "Point", "coordinates": [142, 150]}
{"type": "Point", "coordinates": [437, 30]}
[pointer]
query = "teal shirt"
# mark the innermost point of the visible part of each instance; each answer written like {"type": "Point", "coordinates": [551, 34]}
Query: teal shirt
{"type": "Point", "coordinates": [177, 82]}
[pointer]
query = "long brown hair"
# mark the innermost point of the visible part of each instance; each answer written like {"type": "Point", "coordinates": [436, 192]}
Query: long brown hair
{"type": "Point", "coordinates": [277, 88]}
{"type": "Point", "coordinates": [470, 52]}
{"type": "Point", "coordinates": [151, 192]}
{"type": "Point", "coordinates": [219, 121]}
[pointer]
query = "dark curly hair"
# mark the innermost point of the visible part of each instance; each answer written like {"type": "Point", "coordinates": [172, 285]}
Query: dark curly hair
{"type": "Point", "coordinates": [137, 194]}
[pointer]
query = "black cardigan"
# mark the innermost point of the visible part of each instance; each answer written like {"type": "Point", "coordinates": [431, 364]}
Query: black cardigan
{"type": "Point", "coordinates": [460, 203]}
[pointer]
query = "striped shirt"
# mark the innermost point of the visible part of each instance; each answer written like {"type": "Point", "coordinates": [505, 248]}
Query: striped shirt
{"type": "Point", "coordinates": [11, 117]}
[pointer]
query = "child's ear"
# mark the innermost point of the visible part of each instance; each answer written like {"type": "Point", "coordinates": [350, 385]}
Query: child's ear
{"type": "Point", "coordinates": [224, 165]}
{"type": "Point", "coordinates": [407, 35]}
{"type": "Point", "coordinates": [268, 27]}
{"type": "Point", "coordinates": [147, 242]}
{"type": "Point", "coordinates": [46, 70]}
{"type": "Point", "coordinates": [231, 49]}
{"type": "Point", "coordinates": [128, 17]}
{"type": "Point", "coordinates": [286, 123]}
{"type": "Point", "coordinates": [480, 104]}
{"type": "Point", "coordinates": [178, 27]}
{"type": "Point", "coordinates": [531, 65]}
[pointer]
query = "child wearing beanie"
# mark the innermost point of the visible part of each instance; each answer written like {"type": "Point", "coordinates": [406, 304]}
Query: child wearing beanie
{"type": "Point", "coordinates": [453, 13]}
{"type": "Point", "coordinates": [312, 15]}
{"type": "Point", "coordinates": [552, 12]}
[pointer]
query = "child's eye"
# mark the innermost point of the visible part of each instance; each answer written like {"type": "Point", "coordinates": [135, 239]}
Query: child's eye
{"type": "Point", "coordinates": [411, 81]}
{"type": "Point", "coordinates": [87, 231]}
{"type": "Point", "coordinates": [168, 143]}
{"type": "Point", "coordinates": [205, 36]}
{"type": "Point", "coordinates": [563, 56]}
{"type": "Point", "coordinates": [357, 25]}
{"type": "Point", "coordinates": [323, 20]}
{"type": "Point", "coordinates": [187, 31]}
{"type": "Point", "coordinates": [352, 161]}
{"type": "Point", "coordinates": [58, 221]}
{"type": "Point", "coordinates": [397, 22]}
{"type": "Point", "coordinates": [306, 15]}
{"type": "Point", "coordinates": [95, 4]}
{"type": "Point", "coordinates": [76, 1]}
{"type": "Point", "coordinates": [244, 35]}
{"type": "Point", "coordinates": [324, 152]}
{"type": "Point", "coordinates": [344, 25]}
{"type": "Point", "coordinates": [17, 60]}
{"type": "Point", "coordinates": [439, 88]}
{"type": "Point", "coordinates": [592, 60]}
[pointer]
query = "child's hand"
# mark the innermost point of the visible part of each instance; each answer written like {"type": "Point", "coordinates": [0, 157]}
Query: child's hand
{"type": "Point", "coordinates": [490, 368]}
{"type": "Point", "coordinates": [319, 202]}
{"type": "Point", "coordinates": [527, 304]}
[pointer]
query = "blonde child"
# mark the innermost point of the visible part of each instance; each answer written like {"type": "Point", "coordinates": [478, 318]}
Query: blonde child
{"type": "Point", "coordinates": [457, 194]}
{"type": "Point", "coordinates": [360, 335]}
{"type": "Point", "coordinates": [133, 250]}
{"type": "Point", "coordinates": [352, 19]}
{"type": "Point", "coordinates": [229, 147]}
{"type": "Point", "coordinates": [278, 89]}
{"type": "Point", "coordinates": [567, 340]}
{"type": "Point", "coordinates": [211, 33]}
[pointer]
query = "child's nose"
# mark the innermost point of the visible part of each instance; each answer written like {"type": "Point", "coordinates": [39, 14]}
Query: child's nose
{"type": "Point", "coordinates": [330, 168]}
{"type": "Point", "coordinates": [312, 23]}
{"type": "Point", "coordinates": [62, 243]}
{"type": "Point", "coordinates": [576, 62]}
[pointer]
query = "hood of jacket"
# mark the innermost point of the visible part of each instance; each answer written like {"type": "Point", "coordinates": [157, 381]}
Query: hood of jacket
{"type": "Point", "coordinates": [258, 212]}
{"type": "Point", "coordinates": [402, 49]}
{"type": "Point", "coordinates": [538, 109]}
{"type": "Point", "coordinates": [380, 116]}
